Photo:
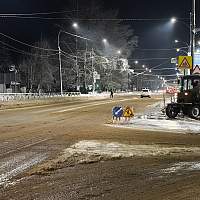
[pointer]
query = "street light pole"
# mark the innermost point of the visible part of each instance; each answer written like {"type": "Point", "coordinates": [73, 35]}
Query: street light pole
{"type": "Point", "coordinates": [59, 49]}
{"type": "Point", "coordinates": [77, 67]}
{"type": "Point", "coordinates": [60, 62]}
{"type": "Point", "coordinates": [193, 30]}
{"type": "Point", "coordinates": [93, 75]}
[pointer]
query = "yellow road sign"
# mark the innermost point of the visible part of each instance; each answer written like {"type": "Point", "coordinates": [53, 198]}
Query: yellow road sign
{"type": "Point", "coordinates": [185, 62]}
{"type": "Point", "coordinates": [128, 112]}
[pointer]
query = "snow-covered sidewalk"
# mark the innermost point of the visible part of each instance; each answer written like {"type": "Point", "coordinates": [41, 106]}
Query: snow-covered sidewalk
{"type": "Point", "coordinates": [154, 119]}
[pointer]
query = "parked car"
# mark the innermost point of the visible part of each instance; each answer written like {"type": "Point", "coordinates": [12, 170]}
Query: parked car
{"type": "Point", "coordinates": [145, 93]}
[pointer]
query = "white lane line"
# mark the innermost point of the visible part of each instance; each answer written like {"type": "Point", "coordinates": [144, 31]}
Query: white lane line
{"type": "Point", "coordinates": [91, 105]}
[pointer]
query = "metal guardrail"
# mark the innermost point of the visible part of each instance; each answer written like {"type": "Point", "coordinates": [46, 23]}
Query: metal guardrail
{"type": "Point", "coordinates": [32, 96]}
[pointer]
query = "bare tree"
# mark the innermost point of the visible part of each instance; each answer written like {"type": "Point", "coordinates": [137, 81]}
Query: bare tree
{"type": "Point", "coordinates": [38, 68]}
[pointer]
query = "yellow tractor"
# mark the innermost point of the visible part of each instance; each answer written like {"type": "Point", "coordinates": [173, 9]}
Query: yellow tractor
{"type": "Point", "coordinates": [188, 99]}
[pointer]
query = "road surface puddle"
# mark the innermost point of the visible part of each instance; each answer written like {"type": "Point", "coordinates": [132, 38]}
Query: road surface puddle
{"type": "Point", "coordinates": [90, 151]}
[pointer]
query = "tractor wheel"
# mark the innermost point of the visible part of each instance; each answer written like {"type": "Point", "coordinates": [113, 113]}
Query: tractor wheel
{"type": "Point", "coordinates": [195, 112]}
{"type": "Point", "coordinates": [171, 111]}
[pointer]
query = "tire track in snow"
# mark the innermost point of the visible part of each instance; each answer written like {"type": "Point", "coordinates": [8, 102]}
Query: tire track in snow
{"type": "Point", "coordinates": [14, 165]}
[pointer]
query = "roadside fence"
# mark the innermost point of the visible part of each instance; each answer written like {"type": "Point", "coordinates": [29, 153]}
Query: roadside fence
{"type": "Point", "coordinates": [32, 96]}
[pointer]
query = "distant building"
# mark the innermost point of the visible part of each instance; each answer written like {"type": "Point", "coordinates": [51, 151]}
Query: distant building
{"type": "Point", "coordinates": [8, 80]}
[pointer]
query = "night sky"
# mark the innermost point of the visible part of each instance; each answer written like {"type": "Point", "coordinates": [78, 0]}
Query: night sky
{"type": "Point", "coordinates": [152, 34]}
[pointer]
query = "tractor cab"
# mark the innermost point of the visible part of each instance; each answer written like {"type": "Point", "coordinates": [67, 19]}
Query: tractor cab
{"type": "Point", "coordinates": [188, 99]}
{"type": "Point", "coordinates": [188, 85]}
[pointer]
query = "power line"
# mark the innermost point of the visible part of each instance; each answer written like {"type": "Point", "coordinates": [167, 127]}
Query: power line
{"type": "Point", "coordinates": [129, 19]}
{"type": "Point", "coordinates": [152, 68]}
{"type": "Point", "coordinates": [33, 17]}
{"type": "Point", "coordinates": [135, 59]}
{"type": "Point", "coordinates": [27, 44]}
{"type": "Point", "coordinates": [157, 49]}
{"type": "Point", "coordinates": [168, 68]}
{"type": "Point", "coordinates": [37, 13]}
{"type": "Point", "coordinates": [16, 50]}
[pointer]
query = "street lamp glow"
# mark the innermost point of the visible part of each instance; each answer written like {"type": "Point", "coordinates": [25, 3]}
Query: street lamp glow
{"type": "Point", "coordinates": [198, 50]}
{"type": "Point", "coordinates": [146, 69]}
{"type": "Point", "coordinates": [150, 70]}
{"type": "Point", "coordinates": [173, 20]}
{"type": "Point", "coordinates": [136, 62]}
{"type": "Point", "coordinates": [177, 50]}
{"type": "Point", "coordinates": [143, 66]}
{"type": "Point", "coordinates": [104, 41]}
{"type": "Point", "coordinates": [176, 41]}
{"type": "Point", "coordinates": [75, 25]}
{"type": "Point", "coordinates": [119, 52]}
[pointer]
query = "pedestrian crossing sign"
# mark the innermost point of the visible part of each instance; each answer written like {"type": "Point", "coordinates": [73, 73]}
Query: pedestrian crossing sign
{"type": "Point", "coordinates": [128, 112]}
{"type": "Point", "coordinates": [185, 62]}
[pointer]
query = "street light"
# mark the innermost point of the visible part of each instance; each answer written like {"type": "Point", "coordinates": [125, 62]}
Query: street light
{"type": "Point", "coordinates": [59, 49]}
{"type": "Point", "coordinates": [179, 50]}
{"type": "Point", "coordinates": [75, 25]}
{"type": "Point", "coordinates": [173, 20]}
{"type": "Point", "coordinates": [136, 62]}
{"type": "Point", "coordinates": [105, 41]}
{"type": "Point", "coordinates": [119, 52]}
{"type": "Point", "coordinates": [185, 43]}
{"type": "Point", "coordinates": [198, 51]}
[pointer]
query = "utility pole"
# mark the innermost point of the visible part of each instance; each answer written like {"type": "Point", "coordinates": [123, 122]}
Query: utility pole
{"type": "Point", "coordinates": [60, 69]}
{"type": "Point", "coordinates": [77, 66]}
{"type": "Point", "coordinates": [85, 66]}
{"type": "Point", "coordinates": [93, 75]}
{"type": "Point", "coordinates": [193, 32]}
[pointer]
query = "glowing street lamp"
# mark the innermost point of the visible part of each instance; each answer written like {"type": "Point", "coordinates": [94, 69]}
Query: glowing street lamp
{"type": "Point", "coordinates": [136, 62]}
{"type": "Point", "coordinates": [198, 50]}
{"type": "Point", "coordinates": [176, 41]}
{"type": "Point", "coordinates": [119, 52]}
{"type": "Point", "coordinates": [75, 25]}
{"type": "Point", "coordinates": [105, 41]}
{"type": "Point", "coordinates": [173, 20]}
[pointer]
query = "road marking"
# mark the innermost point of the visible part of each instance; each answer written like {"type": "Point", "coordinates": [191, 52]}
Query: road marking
{"type": "Point", "coordinates": [91, 105]}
